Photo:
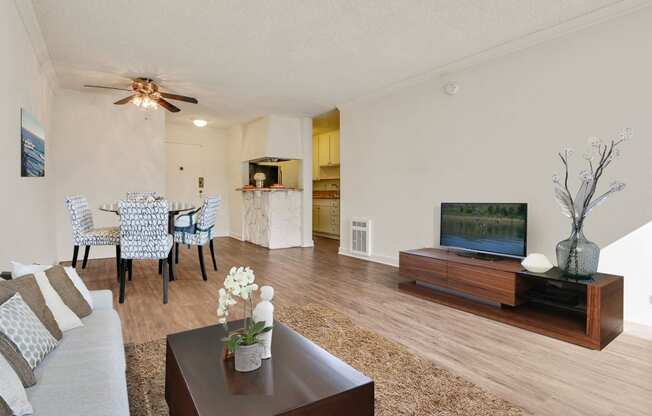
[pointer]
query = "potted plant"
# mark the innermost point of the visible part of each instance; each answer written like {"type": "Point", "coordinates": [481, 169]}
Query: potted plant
{"type": "Point", "coordinates": [246, 347]}
{"type": "Point", "coordinates": [243, 342]}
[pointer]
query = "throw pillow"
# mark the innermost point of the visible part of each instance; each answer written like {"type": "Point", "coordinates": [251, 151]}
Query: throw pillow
{"type": "Point", "coordinates": [23, 269]}
{"type": "Point", "coordinates": [24, 339]}
{"type": "Point", "coordinates": [66, 289]}
{"type": "Point", "coordinates": [66, 318]}
{"type": "Point", "coordinates": [31, 294]}
{"type": "Point", "coordinates": [79, 284]}
{"type": "Point", "coordinates": [13, 399]}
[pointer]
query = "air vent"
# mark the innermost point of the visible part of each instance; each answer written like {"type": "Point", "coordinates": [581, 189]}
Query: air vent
{"type": "Point", "coordinates": [361, 236]}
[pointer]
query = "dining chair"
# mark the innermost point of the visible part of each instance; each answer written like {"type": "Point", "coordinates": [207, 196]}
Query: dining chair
{"type": "Point", "coordinates": [85, 234]}
{"type": "Point", "coordinates": [144, 236]}
{"type": "Point", "coordinates": [132, 196]}
{"type": "Point", "coordinates": [197, 228]}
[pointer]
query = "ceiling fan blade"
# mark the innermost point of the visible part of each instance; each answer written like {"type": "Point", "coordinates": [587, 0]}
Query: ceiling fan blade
{"type": "Point", "coordinates": [179, 97]}
{"type": "Point", "coordinates": [106, 88]}
{"type": "Point", "coordinates": [124, 100]}
{"type": "Point", "coordinates": [167, 105]}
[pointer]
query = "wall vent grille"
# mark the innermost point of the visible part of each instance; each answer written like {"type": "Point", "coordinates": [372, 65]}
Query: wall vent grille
{"type": "Point", "coordinates": [361, 236]}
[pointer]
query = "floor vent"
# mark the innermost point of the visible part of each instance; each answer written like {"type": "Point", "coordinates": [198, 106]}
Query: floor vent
{"type": "Point", "coordinates": [361, 237]}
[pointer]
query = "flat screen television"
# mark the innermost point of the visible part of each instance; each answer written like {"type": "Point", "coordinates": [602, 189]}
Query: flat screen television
{"type": "Point", "coordinates": [491, 228]}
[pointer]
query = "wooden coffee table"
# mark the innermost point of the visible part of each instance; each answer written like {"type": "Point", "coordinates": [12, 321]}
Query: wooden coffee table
{"type": "Point", "coordinates": [300, 379]}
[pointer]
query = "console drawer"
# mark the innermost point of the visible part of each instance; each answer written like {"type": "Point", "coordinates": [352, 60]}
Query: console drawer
{"type": "Point", "coordinates": [483, 283]}
{"type": "Point", "coordinates": [422, 268]}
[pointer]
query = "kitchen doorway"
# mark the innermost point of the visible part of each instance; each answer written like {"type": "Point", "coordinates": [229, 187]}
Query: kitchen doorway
{"type": "Point", "coordinates": [326, 175]}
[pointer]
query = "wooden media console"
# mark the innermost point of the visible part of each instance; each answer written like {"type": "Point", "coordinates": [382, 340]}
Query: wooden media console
{"type": "Point", "coordinates": [584, 312]}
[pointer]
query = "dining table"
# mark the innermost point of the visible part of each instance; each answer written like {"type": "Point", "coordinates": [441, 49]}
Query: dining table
{"type": "Point", "coordinates": [174, 208]}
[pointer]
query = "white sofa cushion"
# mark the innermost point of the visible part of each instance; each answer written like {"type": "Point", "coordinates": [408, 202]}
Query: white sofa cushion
{"type": "Point", "coordinates": [85, 375]}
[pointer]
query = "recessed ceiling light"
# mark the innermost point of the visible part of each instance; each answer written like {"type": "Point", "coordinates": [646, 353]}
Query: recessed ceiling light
{"type": "Point", "coordinates": [199, 123]}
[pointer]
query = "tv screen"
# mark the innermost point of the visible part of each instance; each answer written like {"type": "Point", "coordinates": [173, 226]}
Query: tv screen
{"type": "Point", "coordinates": [497, 228]}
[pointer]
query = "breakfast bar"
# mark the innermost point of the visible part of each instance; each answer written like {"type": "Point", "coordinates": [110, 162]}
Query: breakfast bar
{"type": "Point", "coordinates": [272, 216]}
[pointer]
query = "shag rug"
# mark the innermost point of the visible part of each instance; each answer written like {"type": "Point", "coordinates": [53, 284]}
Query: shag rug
{"type": "Point", "coordinates": [405, 383]}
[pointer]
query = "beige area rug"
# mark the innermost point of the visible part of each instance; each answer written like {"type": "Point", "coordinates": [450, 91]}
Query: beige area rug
{"type": "Point", "coordinates": [405, 383]}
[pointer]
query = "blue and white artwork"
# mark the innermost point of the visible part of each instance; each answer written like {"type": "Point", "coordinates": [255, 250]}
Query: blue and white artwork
{"type": "Point", "coordinates": [32, 146]}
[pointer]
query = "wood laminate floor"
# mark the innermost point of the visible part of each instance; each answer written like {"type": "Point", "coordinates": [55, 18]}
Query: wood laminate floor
{"type": "Point", "coordinates": [543, 375]}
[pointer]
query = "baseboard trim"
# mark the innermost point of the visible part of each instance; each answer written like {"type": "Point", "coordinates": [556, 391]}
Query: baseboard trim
{"type": "Point", "coordinates": [386, 260]}
{"type": "Point", "coordinates": [236, 236]}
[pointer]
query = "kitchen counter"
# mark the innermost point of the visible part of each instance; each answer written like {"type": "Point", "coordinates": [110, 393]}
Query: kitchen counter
{"type": "Point", "coordinates": [272, 217]}
{"type": "Point", "coordinates": [269, 189]}
{"type": "Point", "coordinates": [325, 195]}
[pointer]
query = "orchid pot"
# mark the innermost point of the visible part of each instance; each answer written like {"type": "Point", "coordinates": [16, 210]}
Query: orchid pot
{"type": "Point", "coordinates": [248, 358]}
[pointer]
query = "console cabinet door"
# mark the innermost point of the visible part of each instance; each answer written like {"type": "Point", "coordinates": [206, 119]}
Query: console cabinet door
{"type": "Point", "coordinates": [483, 283]}
{"type": "Point", "coordinates": [424, 269]}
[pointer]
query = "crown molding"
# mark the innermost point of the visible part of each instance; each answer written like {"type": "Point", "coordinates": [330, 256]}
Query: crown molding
{"type": "Point", "coordinates": [30, 22]}
{"type": "Point", "coordinates": [595, 17]}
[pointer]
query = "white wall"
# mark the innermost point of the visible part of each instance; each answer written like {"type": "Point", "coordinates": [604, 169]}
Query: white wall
{"type": "Point", "coordinates": [25, 208]}
{"type": "Point", "coordinates": [237, 176]}
{"type": "Point", "coordinates": [102, 151]}
{"type": "Point", "coordinates": [496, 140]}
{"type": "Point", "coordinates": [630, 256]}
{"type": "Point", "coordinates": [214, 161]}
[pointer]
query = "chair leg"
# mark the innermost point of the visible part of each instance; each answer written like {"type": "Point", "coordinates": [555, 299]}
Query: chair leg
{"type": "Point", "coordinates": [117, 260]}
{"type": "Point", "coordinates": [201, 262]}
{"type": "Point", "coordinates": [170, 261]}
{"type": "Point", "coordinates": [129, 267]}
{"type": "Point", "coordinates": [166, 279]}
{"type": "Point", "coordinates": [75, 252]}
{"type": "Point", "coordinates": [87, 249]}
{"type": "Point", "coordinates": [213, 254]}
{"type": "Point", "coordinates": [160, 266]}
{"type": "Point", "coordinates": [176, 253]}
{"type": "Point", "coordinates": [122, 281]}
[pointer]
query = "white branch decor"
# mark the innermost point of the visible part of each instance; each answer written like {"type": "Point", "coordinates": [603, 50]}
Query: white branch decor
{"type": "Point", "coordinates": [576, 255]}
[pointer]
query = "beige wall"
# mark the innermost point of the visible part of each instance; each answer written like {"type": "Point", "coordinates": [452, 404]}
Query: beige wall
{"type": "Point", "coordinates": [213, 144]}
{"type": "Point", "coordinates": [102, 151]}
{"type": "Point", "coordinates": [496, 140]}
{"type": "Point", "coordinates": [25, 209]}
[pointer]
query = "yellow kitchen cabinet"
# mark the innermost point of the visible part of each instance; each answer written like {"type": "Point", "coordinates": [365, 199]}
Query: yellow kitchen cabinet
{"type": "Point", "coordinates": [315, 158]}
{"type": "Point", "coordinates": [334, 147]}
{"type": "Point", "coordinates": [324, 149]}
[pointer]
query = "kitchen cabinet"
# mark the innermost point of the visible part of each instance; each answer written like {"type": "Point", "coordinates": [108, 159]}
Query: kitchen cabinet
{"type": "Point", "coordinates": [315, 218]}
{"type": "Point", "coordinates": [328, 145]}
{"type": "Point", "coordinates": [315, 158]}
{"type": "Point", "coordinates": [324, 220]}
{"type": "Point", "coordinates": [334, 147]}
{"type": "Point", "coordinates": [326, 217]}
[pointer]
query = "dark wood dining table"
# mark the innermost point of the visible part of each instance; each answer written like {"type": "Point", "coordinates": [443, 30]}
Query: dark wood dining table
{"type": "Point", "coordinates": [174, 208]}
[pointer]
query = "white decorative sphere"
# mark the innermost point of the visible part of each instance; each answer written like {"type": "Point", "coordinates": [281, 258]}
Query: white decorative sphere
{"type": "Point", "coordinates": [537, 263]}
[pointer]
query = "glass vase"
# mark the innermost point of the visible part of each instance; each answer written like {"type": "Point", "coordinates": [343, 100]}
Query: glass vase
{"type": "Point", "coordinates": [578, 257]}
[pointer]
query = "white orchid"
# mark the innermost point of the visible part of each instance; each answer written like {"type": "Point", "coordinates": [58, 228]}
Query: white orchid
{"type": "Point", "coordinates": [239, 283]}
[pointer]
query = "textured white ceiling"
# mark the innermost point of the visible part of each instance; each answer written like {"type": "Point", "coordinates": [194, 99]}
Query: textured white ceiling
{"type": "Point", "coordinates": [246, 58]}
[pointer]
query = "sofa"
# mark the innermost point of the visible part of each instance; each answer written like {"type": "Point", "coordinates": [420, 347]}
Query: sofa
{"type": "Point", "coordinates": [85, 374]}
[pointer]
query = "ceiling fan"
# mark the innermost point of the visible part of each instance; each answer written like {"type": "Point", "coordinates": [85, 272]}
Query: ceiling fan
{"type": "Point", "coordinates": [146, 94]}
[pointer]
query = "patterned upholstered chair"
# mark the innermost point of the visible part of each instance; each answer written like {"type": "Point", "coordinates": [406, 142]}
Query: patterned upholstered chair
{"type": "Point", "coordinates": [135, 196]}
{"type": "Point", "coordinates": [144, 235]}
{"type": "Point", "coordinates": [83, 232]}
{"type": "Point", "coordinates": [196, 229]}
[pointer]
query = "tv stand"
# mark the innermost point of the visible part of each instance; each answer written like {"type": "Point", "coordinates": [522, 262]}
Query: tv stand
{"type": "Point", "coordinates": [584, 312]}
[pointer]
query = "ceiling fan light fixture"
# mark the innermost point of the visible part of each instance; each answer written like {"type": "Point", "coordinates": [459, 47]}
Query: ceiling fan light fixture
{"type": "Point", "coordinates": [199, 123]}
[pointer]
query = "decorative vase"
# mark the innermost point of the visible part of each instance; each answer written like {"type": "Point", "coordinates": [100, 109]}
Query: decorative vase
{"type": "Point", "coordinates": [577, 256]}
{"type": "Point", "coordinates": [264, 311]}
{"type": "Point", "coordinates": [247, 358]}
